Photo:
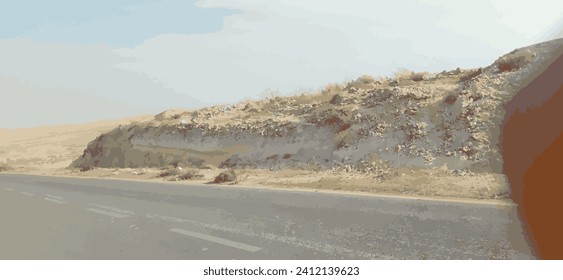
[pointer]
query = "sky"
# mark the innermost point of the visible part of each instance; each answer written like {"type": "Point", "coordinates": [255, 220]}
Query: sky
{"type": "Point", "coordinates": [68, 61]}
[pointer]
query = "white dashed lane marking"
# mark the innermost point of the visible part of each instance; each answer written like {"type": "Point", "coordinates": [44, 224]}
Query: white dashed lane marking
{"type": "Point", "coordinates": [26, 193]}
{"type": "Point", "coordinates": [217, 240]}
{"type": "Point", "coordinates": [55, 197]}
{"type": "Point", "coordinates": [108, 213]}
{"type": "Point", "coordinates": [9, 189]}
{"type": "Point", "coordinates": [112, 209]}
{"type": "Point", "coordinates": [55, 200]}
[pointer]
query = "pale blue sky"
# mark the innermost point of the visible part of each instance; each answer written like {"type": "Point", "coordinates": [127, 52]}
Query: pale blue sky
{"type": "Point", "coordinates": [70, 61]}
{"type": "Point", "coordinates": [123, 23]}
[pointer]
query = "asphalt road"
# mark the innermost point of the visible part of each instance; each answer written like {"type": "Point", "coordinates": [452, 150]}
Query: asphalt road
{"type": "Point", "coordinates": [71, 218]}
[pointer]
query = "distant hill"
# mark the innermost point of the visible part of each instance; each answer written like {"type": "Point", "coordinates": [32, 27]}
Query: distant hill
{"type": "Point", "coordinates": [50, 147]}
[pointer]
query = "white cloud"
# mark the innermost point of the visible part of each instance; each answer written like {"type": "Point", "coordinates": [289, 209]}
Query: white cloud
{"type": "Point", "coordinates": [276, 45]}
{"type": "Point", "coordinates": [288, 45]}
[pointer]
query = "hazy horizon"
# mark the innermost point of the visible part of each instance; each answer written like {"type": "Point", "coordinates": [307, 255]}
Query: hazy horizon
{"type": "Point", "coordinates": [66, 62]}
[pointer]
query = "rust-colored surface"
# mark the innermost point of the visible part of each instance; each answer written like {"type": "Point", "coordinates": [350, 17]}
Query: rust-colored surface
{"type": "Point", "coordinates": [533, 159]}
{"type": "Point", "coordinates": [541, 201]}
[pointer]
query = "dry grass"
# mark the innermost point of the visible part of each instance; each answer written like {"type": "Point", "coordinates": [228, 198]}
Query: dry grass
{"type": "Point", "coordinates": [4, 167]}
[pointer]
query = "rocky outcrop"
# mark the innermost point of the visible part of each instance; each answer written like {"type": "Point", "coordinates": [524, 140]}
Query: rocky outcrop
{"type": "Point", "coordinates": [451, 119]}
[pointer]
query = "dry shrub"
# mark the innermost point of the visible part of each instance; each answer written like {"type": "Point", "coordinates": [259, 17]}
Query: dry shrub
{"type": "Point", "coordinates": [179, 174]}
{"type": "Point", "coordinates": [332, 89]}
{"type": "Point", "coordinates": [189, 175]}
{"type": "Point", "coordinates": [329, 118]}
{"type": "Point", "coordinates": [402, 73]}
{"type": "Point", "coordinates": [4, 167]}
{"type": "Point", "coordinates": [317, 97]}
{"type": "Point", "coordinates": [366, 79]}
{"type": "Point", "coordinates": [168, 171]}
{"type": "Point", "coordinates": [421, 76]}
{"type": "Point", "coordinates": [363, 82]}
{"type": "Point", "coordinates": [471, 75]}
{"type": "Point", "coordinates": [513, 61]}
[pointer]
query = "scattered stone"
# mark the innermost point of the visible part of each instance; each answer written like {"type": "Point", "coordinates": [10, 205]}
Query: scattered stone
{"type": "Point", "coordinates": [428, 76]}
{"type": "Point", "coordinates": [226, 176]}
{"type": "Point", "coordinates": [86, 168]}
{"type": "Point", "coordinates": [450, 99]}
{"type": "Point", "coordinates": [336, 99]}
{"type": "Point", "coordinates": [459, 172]}
{"type": "Point", "coordinates": [189, 175]}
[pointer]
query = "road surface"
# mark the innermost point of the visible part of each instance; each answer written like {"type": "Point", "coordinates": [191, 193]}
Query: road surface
{"type": "Point", "coordinates": [72, 218]}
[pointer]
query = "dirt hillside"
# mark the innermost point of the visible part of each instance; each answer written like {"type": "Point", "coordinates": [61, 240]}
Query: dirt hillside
{"type": "Point", "coordinates": [450, 120]}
